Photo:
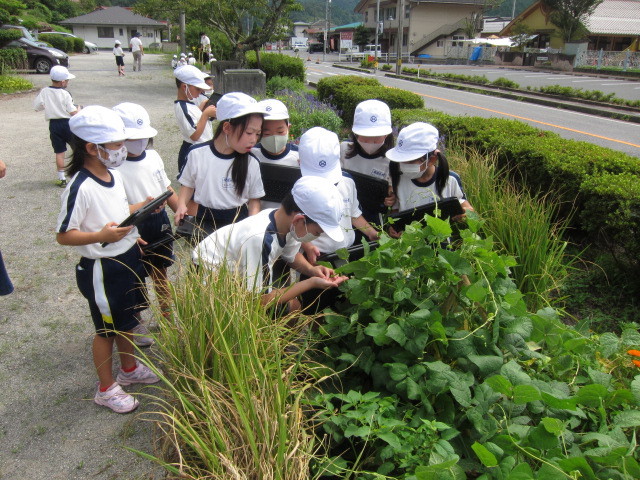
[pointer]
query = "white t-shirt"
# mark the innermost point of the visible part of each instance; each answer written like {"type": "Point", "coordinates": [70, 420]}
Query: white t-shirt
{"type": "Point", "coordinates": [88, 204]}
{"type": "Point", "coordinates": [206, 43]}
{"type": "Point", "coordinates": [209, 173]}
{"type": "Point", "coordinates": [249, 248]}
{"type": "Point", "coordinates": [347, 189]}
{"type": "Point", "coordinates": [412, 193]}
{"type": "Point", "coordinates": [135, 44]}
{"type": "Point", "coordinates": [118, 52]}
{"type": "Point", "coordinates": [374, 166]}
{"type": "Point", "coordinates": [288, 157]}
{"type": "Point", "coordinates": [187, 117]}
{"type": "Point", "coordinates": [144, 176]}
{"type": "Point", "coordinates": [191, 61]}
{"type": "Point", "coordinates": [56, 103]}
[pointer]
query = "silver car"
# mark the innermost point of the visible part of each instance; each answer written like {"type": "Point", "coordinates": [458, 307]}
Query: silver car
{"type": "Point", "coordinates": [88, 46]}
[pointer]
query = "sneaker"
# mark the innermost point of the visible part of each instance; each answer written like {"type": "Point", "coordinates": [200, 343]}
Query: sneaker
{"type": "Point", "coordinates": [116, 399]}
{"type": "Point", "coordinates": [61, 183]}
{"type": "Point", "coordinates": [142, 374]}
{"type": "Point", "coordinates": [140, 336]}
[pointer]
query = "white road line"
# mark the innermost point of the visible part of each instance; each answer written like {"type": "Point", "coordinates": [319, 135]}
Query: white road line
{"type": "Point", "coordinates": [621, 83]}
{"type": "Point", "coordinates": [582, 81]}
{"type": "Point", "coordinates": [559, 76]}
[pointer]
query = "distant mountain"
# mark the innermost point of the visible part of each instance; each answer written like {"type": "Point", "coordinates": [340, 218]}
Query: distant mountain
{"type": "Point", "coordinates": [341, 11]}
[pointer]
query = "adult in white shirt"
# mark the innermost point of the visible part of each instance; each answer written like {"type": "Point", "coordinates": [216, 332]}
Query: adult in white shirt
{"type": "Point", "coordinates": [205, 46]}
{"type": "Point", "coordinates": [137, 50]}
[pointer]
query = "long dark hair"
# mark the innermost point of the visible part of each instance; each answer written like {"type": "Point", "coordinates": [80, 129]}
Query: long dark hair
{"type": "Point", "coordinates": [240, 165]}
{"type": "Point", "coordinates": [354, 147]}
{"type": "Point", "coordinates": [442, 172]}
{"type": "Point", "coordinates": [76, 161]}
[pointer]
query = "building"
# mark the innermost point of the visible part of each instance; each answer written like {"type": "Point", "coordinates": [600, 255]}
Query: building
{"type": "Point", "coordinates": [429, 26]}
{"type": "Point", "coordinates": [613, 26]}
{"type": "Point", "coordinates": [106, 25]}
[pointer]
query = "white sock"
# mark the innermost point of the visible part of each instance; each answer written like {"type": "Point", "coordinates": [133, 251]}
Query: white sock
{"type": "Point", "coordinates": [61, 175]}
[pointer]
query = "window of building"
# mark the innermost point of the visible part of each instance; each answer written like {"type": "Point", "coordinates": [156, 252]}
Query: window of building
{"type": "Point", "coordinates": [390, 13]}
{"type": "Point", "coordinates": [366, 16]}
{"type": "Point", "coordinates": [440, 43]}
{"type": "Point", "coordinates": [456, 41]}
{"type": "Point", "coordinates": [105, 32]}
{"type": "Point", "coordinates": [121, 32]}
{"type": "Point", "coordinates": [405, 39]}
{"type": "Point", "coordinates": [407, 11]}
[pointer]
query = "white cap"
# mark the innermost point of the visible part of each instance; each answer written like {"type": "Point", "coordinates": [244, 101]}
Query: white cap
{"type": "Point", "coordinates": [183, 54]}
{"type": "Point", "coordinates": [60, 73]}
{"type": "Point", "coordinates": [236, 104]}
{"type": "Point", "coordinates": [191, 76]}
{"type": "Point", "coordinates": [372, 118]}
{"type": "Point", "coordinates": [321, 201]}
{"type": "Point", "coordinates": [118, 42]}
{"type": "Point", "coordinates": [136, 120]}
{"type": "Point", "coordinates": [98, 125]}
{"type": "Point", "coordinates": [175, 56]}
{"type": "Point", "coordinates": [190, 54]}
{"type": "Point", "coordinates": [276, 110]}
{"type": "Point", "coordinates": [414, 141]}
{"type": "Point", "coordinates": [319, 153]}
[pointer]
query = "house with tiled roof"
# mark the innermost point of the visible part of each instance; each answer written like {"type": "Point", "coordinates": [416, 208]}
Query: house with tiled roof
{"type": "Point", "coordinates": [613, 26]}
{"type": "Point", "coordinates": [105, 25]}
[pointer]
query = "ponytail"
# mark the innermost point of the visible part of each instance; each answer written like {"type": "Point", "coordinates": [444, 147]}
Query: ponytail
{"type": "Point", "coordinates": [76, 162]}
{"type": "Point", "coordinates": [442, 172]}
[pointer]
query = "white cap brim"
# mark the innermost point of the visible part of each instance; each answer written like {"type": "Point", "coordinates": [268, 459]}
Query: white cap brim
{"type": "Point", "coordinates": [334, 175]}
{"type": "Point", "coordinates": [400, 157]}
{"type": "Point", "coordinates": [335, 233]}
{"type": "Point", "coordinates": [372, 131]}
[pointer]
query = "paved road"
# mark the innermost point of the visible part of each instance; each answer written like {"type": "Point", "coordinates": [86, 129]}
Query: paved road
{"type": "Point", "coordinates": [614, 134]}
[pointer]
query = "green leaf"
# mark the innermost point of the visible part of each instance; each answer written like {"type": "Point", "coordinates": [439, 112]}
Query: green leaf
{"type": "Point", "coordinates": [397, 371]}
{"type": "Point", "coordinates": [487, 458]}
{"type": "Point", "coordinates": [391, 439]}
{"type": "Point", "coordinates": [486, 364]}
{"type": "Point", "coordinates": [630, 337]}
{"type": "Point", "coordinates": [500, 384]}
{"type": "Point", "coordinates": [476, 292]}
{"type": "Point", "coordinates": [541, 439]}
{"type": "Point", "coordinates": [609, 344]}
{"type": "Point", "coordinates": [627, 419]}
{"type": "Point", "coordinates": [635, 388]}
{"type": "Point", "coordinates": [525, 393]}
{"type": "Point", "coordinates": [396, 333]}
{"type": "Point", "coordinates": [549, 472]}
{"type": "Point", "coordinates": [591, 395]}
{"type": "Point", "coordinates": [557, 402]}
{"type": "Point", "coordinates": [578, 464]}
{"type": "Point", "coordinates": [522, 471]}
{"type": "Point", "coordinates": [514, 373]}
{"type": "Point", "coordinates": [631, 466]}
{"type": "Point", "coordinates": [455, 260]}
{"type": "Point", "coordinates": [379, 333]}
{"type": "Point", "coordinates": [553, 425]}
{"type": "Point", "coordinates": [449, 470]}
{"type": "Point", "coordinates": [440, 227]}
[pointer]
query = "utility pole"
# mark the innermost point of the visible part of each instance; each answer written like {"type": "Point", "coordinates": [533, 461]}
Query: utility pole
{"type": "Point", "coordinates": [183, 32]}
{"type": "Point", "coordinates": [400, 15]}
{"type": "Point", "coordinates": [326, 30]}
{"type": "Point", "coordinates": [377, 32]}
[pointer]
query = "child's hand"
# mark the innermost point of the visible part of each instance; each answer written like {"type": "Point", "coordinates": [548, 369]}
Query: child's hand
{"type": "Point", "coordinates": [311, 252]}
{"type": "Point", "coordinates": [181, 211]}
{"type": "Point", "coordinates": [111, 233]}
{"type": "Point", "coordinates": [390, 200]}
{"type": "Point", "coordinates": [393, 234]}
{"type": "Point", "coordinates": [210, 111]}
{"type": "Point", "coordinates": [322, 272]}
{"type": "Point", "coordinates": [332, 282]}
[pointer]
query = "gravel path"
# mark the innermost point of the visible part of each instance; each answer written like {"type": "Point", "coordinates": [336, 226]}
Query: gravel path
{"type": "Point", "coordinates": [49, 426]}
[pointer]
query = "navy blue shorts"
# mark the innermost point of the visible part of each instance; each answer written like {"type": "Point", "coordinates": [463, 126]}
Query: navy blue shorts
{"type": "Point", "coordinates": [156, 228]}
{"type": "Point", "coordinates": [114, 288]}
{"type": "Point", "coordinates": [182, 155]}
{"type": "Point", "coordinates": [60, 134]}
{"type": "Point", "coordinates": [119, 61]}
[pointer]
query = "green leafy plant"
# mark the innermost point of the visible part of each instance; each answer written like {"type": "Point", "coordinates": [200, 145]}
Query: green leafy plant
{"type": "Point", "coordinates": [436, 342]}
{"type": "Point", "coordinates": [386, 67]}
{"type": "Point", "coordinates": [277, 64]}
{"type": "Point", "coordinates": [12, 59]}
{"type": "Point", "coordinates": [12, 84]}
{"type": "Point", "coordinates": [277, 83]}
{"type": "Point", "coordinates": [306, 111]}
{"type": "Point", "coordinates": [505, 82]}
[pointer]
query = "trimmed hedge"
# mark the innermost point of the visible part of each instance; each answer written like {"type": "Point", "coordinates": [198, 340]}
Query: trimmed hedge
{"type": "Point", "coordinates": [349, 92]}
{"type": "Point", "coordinates": [277, 65]}
{"type": "Point", "coordinates": [9, 35]}
{"type": "Point", "coordinates": [601, 184]}
{"type": "Point", "coordinates": [56, 41]}
{"type": "Point", "coordinates": [12, 59]}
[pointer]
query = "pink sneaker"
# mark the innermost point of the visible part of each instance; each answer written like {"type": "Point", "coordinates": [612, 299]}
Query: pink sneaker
{"type": "Point", "coordinates": [116, 399]}
{"type": "Point", "coordinates": [142, 374]}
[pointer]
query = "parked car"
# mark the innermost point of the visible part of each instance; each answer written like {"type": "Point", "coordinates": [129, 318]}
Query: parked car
{"type": "Point", "coordinates": [40, 59]}
{"type": "Point", "coordinates": [298, 46]}
{"type": "Point", "coordinates": [88, 46]}
{"type": "Point", "coordinates": [316, 47]}
{"type": "Point", "coordinates": [25, 33]}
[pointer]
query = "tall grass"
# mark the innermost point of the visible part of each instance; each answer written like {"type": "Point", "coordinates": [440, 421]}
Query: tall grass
{"type": "Point", "coordinates": [522, 224]}
{"type": "Point", "coordinates": [231, 403]}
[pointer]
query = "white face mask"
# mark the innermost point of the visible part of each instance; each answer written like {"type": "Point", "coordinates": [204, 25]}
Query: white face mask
{"type": "Point", "coordinates": [307, 237]}
{"type": "Point", "coordinates": [414, 170]}
{"type": "Point", "coordinates": [115, 158]}
{"type": "Point", "coordinates": [188, 93]}
{"type": "Point", "coordinates": [274, 143]}
{"type": "Point", "coordinates": [370, 148]}
{"type": "Point", "coordinates": [136, 147]}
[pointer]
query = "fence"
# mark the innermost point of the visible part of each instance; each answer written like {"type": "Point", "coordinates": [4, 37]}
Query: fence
{"type": "Point", "coordinates": [462, 52]}
{"type": "Point", "coordinates": [600, 58]}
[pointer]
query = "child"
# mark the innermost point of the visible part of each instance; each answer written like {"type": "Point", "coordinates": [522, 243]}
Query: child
{"type": "Point", "coordinates": [6, 287]}
{"type": "Point", "coordinates": [191, 59]}
{"type": "Point", "coordinates": [252, 246]}
{"type": "Point", "coordinates": [274, 146]}
{"type": "Point", "coordinates": [319, 151]}
{"type": "Point", "coordinates": [144, 176]}
{"type": "Point", "coordinates": [174, 62]}
{"type": "Point", "coordinates": [183, 60]}
{"type": "Point", "coordinates": [222, 175]}
{"type": "Point", "coordinates": [204, 96]}
{"type": "Point", "coordinates": [420, 172]}
{"type": "Point", "coordinates": [370, 140]}
{"type": "Point", "coordinates": [193, 123]}
{"type": "Point", "coordinates": [93, 204]}
{"type": "Point", "coordinates": [119, 54]}
{"type": "Point", "coordinates": [58, 108]}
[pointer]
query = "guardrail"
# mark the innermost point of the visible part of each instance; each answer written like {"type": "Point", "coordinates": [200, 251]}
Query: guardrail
{"type": "Point", "coordinates": [382, 57]}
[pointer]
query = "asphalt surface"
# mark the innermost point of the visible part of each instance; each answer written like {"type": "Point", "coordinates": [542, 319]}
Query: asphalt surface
{"type": "Point", "coordinates": [49, 426]}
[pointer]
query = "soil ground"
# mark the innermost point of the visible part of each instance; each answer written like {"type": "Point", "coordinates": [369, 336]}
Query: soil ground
{"type": "Point", "coordinates": [49, 426]}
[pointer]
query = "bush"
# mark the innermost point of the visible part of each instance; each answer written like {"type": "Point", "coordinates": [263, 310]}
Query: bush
{"type": "Point", "coordinates": [328, 86]}
{"type": "Point", "coordinates": [9, 35]}
{"type": "Point", "coordinates": [57, 41]}
{"type": "Point", "coordinates": [12, 59]}
{"type": "Point", "coordinates": [12, 84]}
{"type": "Point", "coordinates": [504, 82]}
{"type": "Point", "coordinates": [277, 65]}
{"type": "Point", "coordinates": [78, 44]}
{"type": "Point", "coordinates": [596, 181]}
{"type": "Point", "coordinates": [305, 112]}
{"type": "Point", "coordinates": [386, 67]}
{"type": "Point", "coordinates": [277, 83]}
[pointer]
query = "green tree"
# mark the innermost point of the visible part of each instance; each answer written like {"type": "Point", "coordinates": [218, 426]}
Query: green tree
{"type": "Point", "coordinates": [520, 34]}
{"type": "Point", "coordinates": [362, 35]}
{"type": "Point", "coordinates": [569, 16]}
{"type": "Point", "coordinates": [247, 24]}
